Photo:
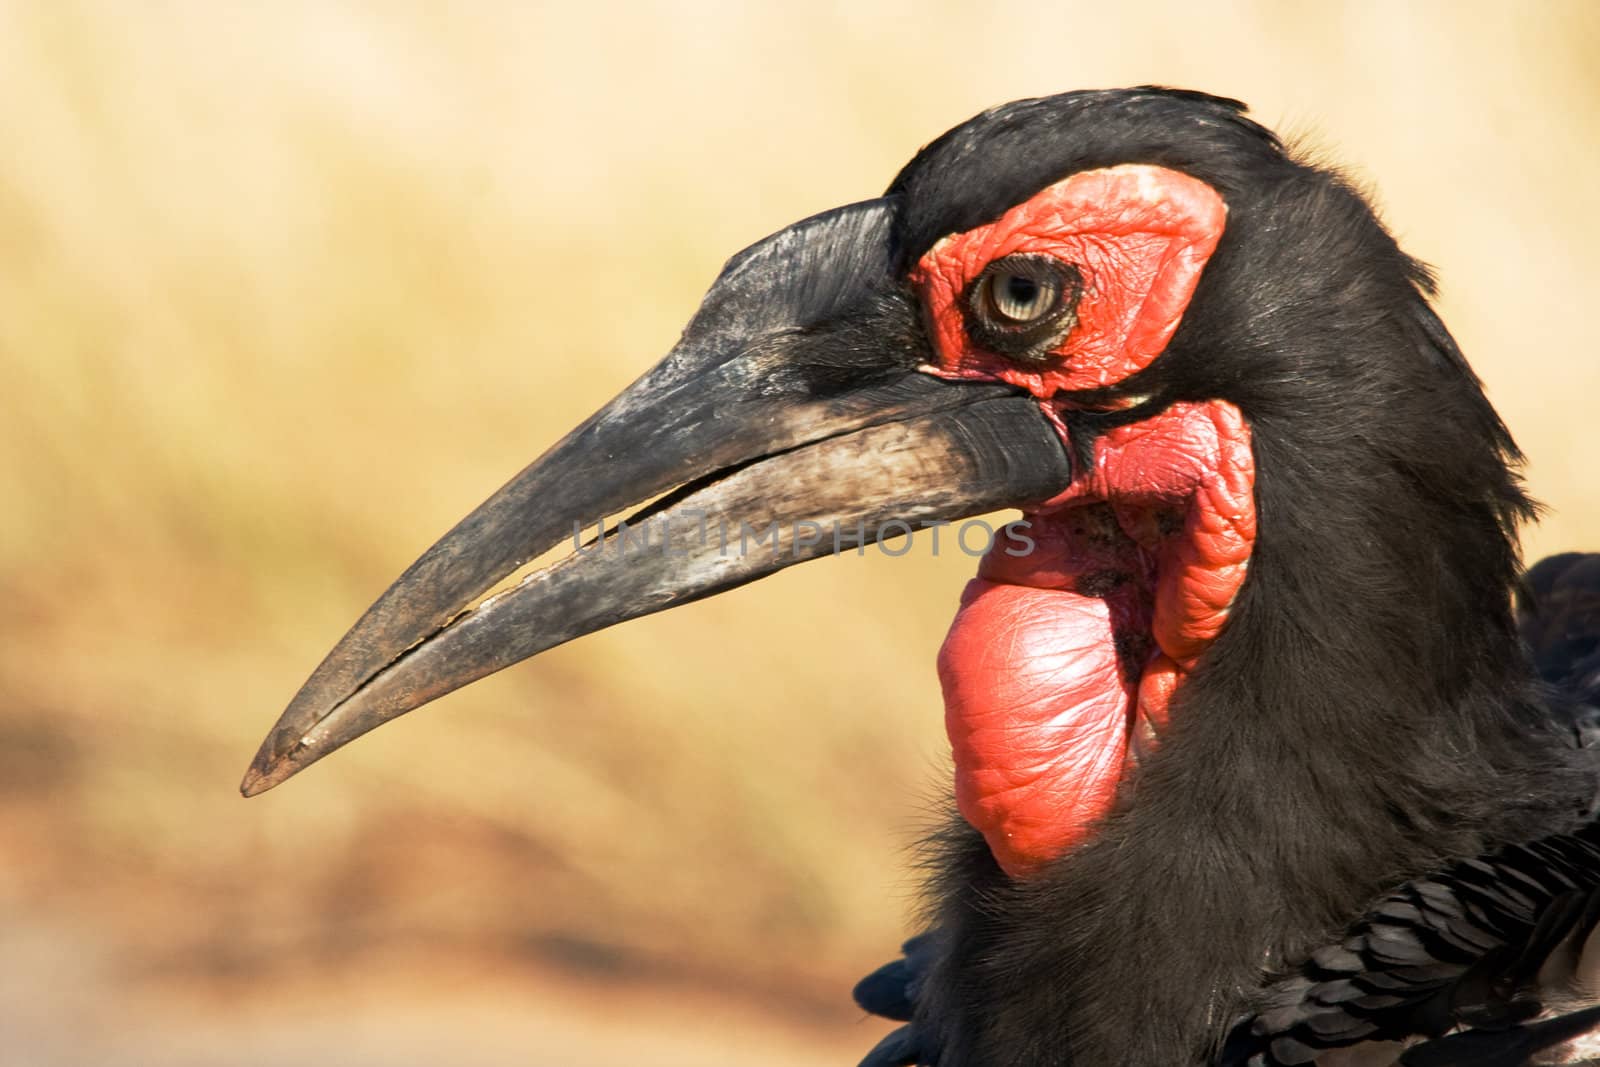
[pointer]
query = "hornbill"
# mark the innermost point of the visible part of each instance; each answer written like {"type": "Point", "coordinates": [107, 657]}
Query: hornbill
{"type": "Point", "coordinates": [1251, 760]}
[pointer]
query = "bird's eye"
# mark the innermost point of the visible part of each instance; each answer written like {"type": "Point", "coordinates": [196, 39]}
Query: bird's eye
{"type": "Point", "coordinates": [1021, 298]}
{"type": "Point", "coordinates": [1023, 305]}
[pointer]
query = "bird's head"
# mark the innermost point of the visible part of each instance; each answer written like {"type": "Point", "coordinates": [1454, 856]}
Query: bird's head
{"type": "Point", "coordinates": [1186, 356]}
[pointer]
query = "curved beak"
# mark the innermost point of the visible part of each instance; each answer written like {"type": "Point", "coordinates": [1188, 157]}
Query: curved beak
{"type": "Point", "coordinates": [791, 420]}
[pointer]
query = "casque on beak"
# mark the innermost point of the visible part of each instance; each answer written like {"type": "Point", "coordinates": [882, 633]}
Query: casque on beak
{"type": "Point", "coordinates": [794, 403]}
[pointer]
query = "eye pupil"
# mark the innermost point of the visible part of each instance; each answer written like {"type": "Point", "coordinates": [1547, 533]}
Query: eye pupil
{"type": "Point", "coordinates": [1021, 298]}
{"type": "Point", "coordinates": [1021, 290]}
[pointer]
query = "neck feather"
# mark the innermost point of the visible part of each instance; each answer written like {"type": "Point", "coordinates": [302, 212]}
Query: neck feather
{"type": "Point", "coordinates": [1365, 717]}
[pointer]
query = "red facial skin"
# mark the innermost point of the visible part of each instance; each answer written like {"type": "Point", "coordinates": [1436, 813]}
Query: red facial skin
{"type": "Point", "coordinates": [1061, 663]}
{"type": "Point", "coordinates": [1140, 235]}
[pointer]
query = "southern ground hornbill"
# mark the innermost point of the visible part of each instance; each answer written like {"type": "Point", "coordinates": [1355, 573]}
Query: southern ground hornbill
{"type": "Point", "coordinates": [1251, 762]}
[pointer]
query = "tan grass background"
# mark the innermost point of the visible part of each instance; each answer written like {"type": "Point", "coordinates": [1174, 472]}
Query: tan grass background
{"type": "Point", "coordinates": [286, 288]}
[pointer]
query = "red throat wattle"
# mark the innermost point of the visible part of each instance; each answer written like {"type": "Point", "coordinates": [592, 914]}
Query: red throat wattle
{"type": "Point", "coordinates": [1061, 662]}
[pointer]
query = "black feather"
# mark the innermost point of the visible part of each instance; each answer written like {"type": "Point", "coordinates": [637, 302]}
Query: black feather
{"type": "Point", "coordinates": [1461, 948]}
{"type": "Point", "coordinates": [1368, 715]}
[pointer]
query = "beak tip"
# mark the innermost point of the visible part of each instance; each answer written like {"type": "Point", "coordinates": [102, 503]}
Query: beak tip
{"type": "Point", "coordinates": [268, 769]}
{"type": "Point", "coordinates": [301, 737]}
{"type": "Point", "coordinates": [256, 781]}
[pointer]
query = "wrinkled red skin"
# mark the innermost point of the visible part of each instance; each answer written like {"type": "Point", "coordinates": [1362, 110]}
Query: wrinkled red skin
{"type": "Point", "coordinates": [1139, 234]}
{"type": "Point", "coordinates": [1059, 660]}
{"type": "Point", "coordinates": [1061, 663]}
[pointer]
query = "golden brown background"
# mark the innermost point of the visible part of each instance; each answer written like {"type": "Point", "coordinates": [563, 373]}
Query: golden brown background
{"type": "Point", "coordinates": [287, 288]}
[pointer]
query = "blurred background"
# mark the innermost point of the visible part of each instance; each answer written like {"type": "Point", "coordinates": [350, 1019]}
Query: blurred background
{"type": "Point", "coordinates": [287, 288]}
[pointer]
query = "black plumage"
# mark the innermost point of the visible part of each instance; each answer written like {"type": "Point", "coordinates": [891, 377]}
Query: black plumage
{"type": "Point", "coordinates": [1461, 949]}
{"type": "Point", "coordinates": [1561, 625]}
{"type": "Point", "coordinates": [1483, 951]}
{"type": "Point", "coordinates": [1367, 717]}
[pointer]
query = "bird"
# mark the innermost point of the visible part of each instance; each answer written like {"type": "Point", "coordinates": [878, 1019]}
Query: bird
{"type": "Point", "coordinates": [1257, 756]}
